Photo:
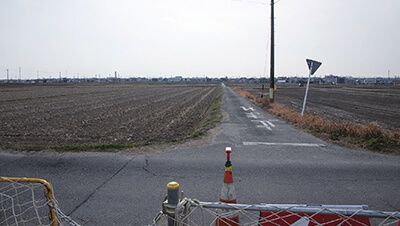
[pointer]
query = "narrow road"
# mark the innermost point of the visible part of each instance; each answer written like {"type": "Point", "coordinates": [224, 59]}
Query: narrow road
{"type": "Point", "coordinates": [272, 163]}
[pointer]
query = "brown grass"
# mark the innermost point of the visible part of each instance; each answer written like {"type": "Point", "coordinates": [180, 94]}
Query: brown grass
{"type": "Point", "coordinates": [371, 136]}
{"type": "Point", "coordinates": [261, 102]}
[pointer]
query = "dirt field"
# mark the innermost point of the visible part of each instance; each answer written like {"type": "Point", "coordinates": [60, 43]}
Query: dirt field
{"type": "Point", "coordinates": [360, 104]}
{"type": "Point", "coordinates": [77, 114]}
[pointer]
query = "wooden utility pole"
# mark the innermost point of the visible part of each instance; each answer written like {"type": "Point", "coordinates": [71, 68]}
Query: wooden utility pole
{"type": "Point", "coordinates": [272, 63]}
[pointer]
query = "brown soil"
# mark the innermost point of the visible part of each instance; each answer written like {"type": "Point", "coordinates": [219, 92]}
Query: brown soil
{"type": "Point", "coordinates": [359, 104]}
{"type": "Point", "coordinates": [86, 114]}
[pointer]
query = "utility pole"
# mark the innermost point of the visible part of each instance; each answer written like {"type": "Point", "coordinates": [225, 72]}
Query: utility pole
{"type": "Point", "coordinates": [272, 63]}
{"type": "Point", "coordinates": [19, 73]}
{"type": "Point", "coordinates": [8, 76]}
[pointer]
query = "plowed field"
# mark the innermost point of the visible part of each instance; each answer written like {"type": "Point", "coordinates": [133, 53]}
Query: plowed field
{"type": "Point", "coordinates": [360, 104]}
{"type": "Point", "coordinates": [91, 114]}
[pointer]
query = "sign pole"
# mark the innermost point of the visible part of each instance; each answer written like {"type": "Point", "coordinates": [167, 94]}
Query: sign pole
{"type": "Point", "coordinates": [313, 66]}
{"type": "Point", "coordinates": [308, 84]}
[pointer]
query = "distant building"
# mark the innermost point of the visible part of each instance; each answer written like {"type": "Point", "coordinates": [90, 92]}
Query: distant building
{"type": "Point", "coordinates": [175, 79]}
{"type": "Point", "coordinates": [368, 81]}
{"type": "Point", "coordinates": [340, 80]}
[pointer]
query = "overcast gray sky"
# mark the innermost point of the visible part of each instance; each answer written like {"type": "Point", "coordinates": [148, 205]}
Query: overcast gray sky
{"type": "Point", "coordinates": [214, 38]}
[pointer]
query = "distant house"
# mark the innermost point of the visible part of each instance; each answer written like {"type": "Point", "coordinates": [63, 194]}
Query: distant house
{"type": "Point", "coordinates": [340, 80]}
{"type": "Point", "coordinates": [368, 81]}
{"type": "Point", "coordinates": [175, 79]}
{"type": "Point", "coordinates": [350, 81]}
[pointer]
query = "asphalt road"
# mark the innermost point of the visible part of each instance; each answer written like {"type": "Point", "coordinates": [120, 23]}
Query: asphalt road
{"type": "Point", "coordinates": [272, 163]}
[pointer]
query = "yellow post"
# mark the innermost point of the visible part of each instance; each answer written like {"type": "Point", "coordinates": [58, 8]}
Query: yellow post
{"type": "Point", "coordinates": [173, 200]}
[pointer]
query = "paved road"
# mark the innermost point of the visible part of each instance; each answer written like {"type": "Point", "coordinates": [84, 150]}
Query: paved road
{"type": "Point", "coordinates": [272, 163]}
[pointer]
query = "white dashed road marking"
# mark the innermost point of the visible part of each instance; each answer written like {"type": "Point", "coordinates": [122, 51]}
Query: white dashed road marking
{"type": "Point", "coordinates": [265, 124]}
{"type": "Point", "coordinates": [270, 123]}
{"type": "Point", "coordinates": [252, 114]}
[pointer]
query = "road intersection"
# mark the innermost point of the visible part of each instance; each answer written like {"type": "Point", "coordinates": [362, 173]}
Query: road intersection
{"type": "Point", "coordinates": [272, 163]}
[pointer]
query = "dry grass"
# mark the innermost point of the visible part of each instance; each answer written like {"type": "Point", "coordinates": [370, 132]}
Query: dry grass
{"type": "Point", "coordinates": [371, 136]}
{"type": "Point", "coordinates": [261, 102]}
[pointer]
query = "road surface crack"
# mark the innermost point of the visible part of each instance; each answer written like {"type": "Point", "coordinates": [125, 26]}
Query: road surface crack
{"type": "Point", "coordinates": [146, 165]}
{"type": "Point", "coordinates": [98, 188]}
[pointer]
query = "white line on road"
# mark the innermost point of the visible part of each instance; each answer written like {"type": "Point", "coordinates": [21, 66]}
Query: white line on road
{"type": "Point", "coordinates": [251, 115]}
{"type": "Point", "coordinates": [246, 109]}
{"type": "Point", "coordinates": [272, 125]}
{"type": "Point", "coordinates": [264, 124]}
{"type": "Point", "coordinates": [284, 144]}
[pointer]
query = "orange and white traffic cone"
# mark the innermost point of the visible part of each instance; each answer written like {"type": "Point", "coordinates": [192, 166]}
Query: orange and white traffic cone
{"type": "Point", "coordinates": [228, 194]}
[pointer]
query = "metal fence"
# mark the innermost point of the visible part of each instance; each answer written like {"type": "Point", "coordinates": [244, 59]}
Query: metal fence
{"type": "Point", "coordinates": [194, 212]}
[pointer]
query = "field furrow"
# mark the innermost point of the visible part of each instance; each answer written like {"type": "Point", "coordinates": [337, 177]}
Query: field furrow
{"type": "Point", "coordinates": [84, 114]}
{"type": "Point", "coordinates": [359, 104]}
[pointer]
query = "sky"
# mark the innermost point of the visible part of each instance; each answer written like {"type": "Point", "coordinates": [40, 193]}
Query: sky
{"type": "Point", "coordinates": [197, 38]}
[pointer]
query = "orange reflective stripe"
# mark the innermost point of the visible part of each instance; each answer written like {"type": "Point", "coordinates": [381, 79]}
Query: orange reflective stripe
{"type": "Point", "coordinates": [228, 177]}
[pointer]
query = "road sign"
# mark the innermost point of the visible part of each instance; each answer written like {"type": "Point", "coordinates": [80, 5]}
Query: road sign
{"type": "Point", "coordinates": [313, 65]}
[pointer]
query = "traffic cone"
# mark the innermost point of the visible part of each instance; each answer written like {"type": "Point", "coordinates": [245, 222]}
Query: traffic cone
{"type": "Point", "coordinates": [228, 194]}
